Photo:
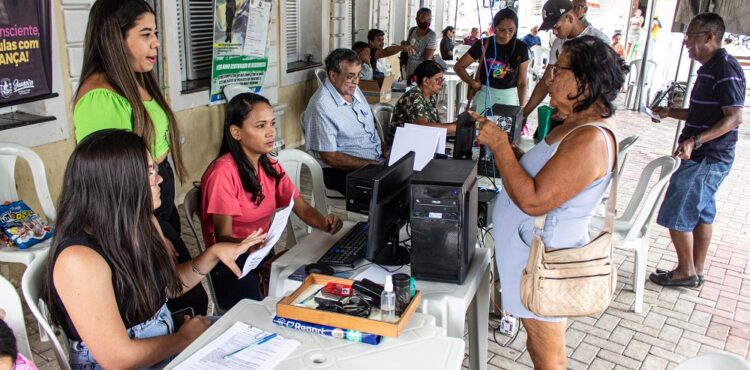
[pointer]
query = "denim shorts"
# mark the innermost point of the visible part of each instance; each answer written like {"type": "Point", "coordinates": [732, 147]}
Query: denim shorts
{"type": "Point", "coordinates": [159, 324]}
{"type": "Point", "coordinates": [690, 197]}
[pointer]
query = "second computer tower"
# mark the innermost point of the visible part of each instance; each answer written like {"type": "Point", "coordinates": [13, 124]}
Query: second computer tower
{"type": "Point", "coordinates": [443, 220]}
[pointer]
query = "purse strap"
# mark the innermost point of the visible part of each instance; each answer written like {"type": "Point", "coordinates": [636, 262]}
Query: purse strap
{"type": "Point", "coordinates": [611, 202]}
{"type": "Point", "coordinates": [477, 73]}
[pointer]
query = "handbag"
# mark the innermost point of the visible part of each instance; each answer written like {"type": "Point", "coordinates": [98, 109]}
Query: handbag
{"type": "Point", "coordinates": [403, 58]}
{"type": "Point", "coordinates": [568, 282]}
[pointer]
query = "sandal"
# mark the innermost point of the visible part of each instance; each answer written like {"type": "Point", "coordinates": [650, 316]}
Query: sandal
{"type": "Point", "coordinates": [667, 280]}
{"type": "Point", "coordinates": [662, 271]}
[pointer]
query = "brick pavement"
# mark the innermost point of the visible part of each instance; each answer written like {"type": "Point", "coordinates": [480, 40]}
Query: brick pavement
{"type": "Point", "coordinates": [676, 324]}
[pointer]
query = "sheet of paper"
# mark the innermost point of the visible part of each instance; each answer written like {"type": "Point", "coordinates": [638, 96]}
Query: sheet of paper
{"type": "Point", "coordinates": [374, 273]}
{"type": "Point", "coordinates": [422, 143]}
{"type": "Point", "coordinates": [443, 135]}
{"type": "Point", "coordinates": [644, 110]}
{"type": "Point", "coordinates": [274, 233]}
{"type": "Point", "coordinates": [258, 21]}
{"type": "Point", "coordinates": [264, 356]}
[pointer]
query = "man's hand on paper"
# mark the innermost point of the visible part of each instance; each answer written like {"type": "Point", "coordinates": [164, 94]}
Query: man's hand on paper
{"type": "Point", "coordinates": [193, 327]}
{"type": "Point", "coordinates": [227, 253]}
{"type": "Point", "coordinates": [332, 224]}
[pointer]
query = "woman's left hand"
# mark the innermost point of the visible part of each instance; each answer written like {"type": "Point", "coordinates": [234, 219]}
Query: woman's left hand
{"type": "Point", "coordinates": [227, 253]}
{"type": "Point", "coordinates": [332, 224]}
{"type": "Point", "coordinates": [490, 134]}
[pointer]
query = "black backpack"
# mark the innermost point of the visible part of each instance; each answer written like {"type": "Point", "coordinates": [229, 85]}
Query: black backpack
{"type": "Point", "coordinates": [403, 58]}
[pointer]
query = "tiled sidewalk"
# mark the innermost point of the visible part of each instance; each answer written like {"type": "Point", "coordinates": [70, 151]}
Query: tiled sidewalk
{"type": "Point", "coordinates": [676, 324]}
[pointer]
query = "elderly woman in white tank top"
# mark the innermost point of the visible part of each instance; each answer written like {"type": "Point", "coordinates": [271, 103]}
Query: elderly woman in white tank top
{"type": "Point", "coordinates": [550, 180]}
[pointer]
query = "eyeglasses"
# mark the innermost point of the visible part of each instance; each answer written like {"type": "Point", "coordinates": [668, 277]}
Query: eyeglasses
{"type": "Point", "coordinates": [440, 80]}
{"type": "Point", "coordinates": [692, 35]}
{"type": "Point", "coordinates": [352, 78]}
{"type": "Point", "coordinates": [554, 69]}
{"type": "Point", "coordinates": [152, 173]}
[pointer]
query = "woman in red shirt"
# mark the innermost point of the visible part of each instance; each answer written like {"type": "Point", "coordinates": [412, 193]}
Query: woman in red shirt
{"type": "Point", "coordinates": [242, 189]}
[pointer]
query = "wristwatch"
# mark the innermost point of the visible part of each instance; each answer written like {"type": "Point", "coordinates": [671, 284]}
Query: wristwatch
{"type": "Point", "coordinates": [696, 142]}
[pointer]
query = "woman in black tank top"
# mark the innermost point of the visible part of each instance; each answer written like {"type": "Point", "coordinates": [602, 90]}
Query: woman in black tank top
{"type": "Point", "coordinates": [111, 268]}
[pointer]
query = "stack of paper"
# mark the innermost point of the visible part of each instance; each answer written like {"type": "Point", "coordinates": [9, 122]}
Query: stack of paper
{"type": "Point", "coordinates": [220, 353]}
{"type": "Point", "coordinates": [424, 141]}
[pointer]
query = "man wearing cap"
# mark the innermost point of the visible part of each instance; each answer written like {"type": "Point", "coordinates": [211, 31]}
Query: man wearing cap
{"type": "Point", "coordinates": [560, 16]}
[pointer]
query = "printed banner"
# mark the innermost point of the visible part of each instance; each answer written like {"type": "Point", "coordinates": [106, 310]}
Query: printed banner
{"type": "Point", "coordinates": [25, 51]}
{"type": "Point", "coordinates": [240, 39]}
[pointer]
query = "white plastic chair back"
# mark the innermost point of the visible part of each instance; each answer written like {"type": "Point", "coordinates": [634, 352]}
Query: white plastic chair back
{"type": "Point", "coordinates": [292, 160]}
{"type": "Point", "coordinates": [624, 152]}
{"type": "Point", "coordinates": [31, 284]}
{"type": "Point", "coordinates": [633, 77]}
{"type": "Point", "coordinates": [9, 152]}
{"type": "Point", "coordinates": [320, 75]}
{"type": "Point", "coordinates": [715, 361]}
{"type": "Point", "coordinates": [383, 113]}
{"type": "Point", "coordinates": [459, 50]}
{"type": "Point", "coordinates": [643, 204]}
{"type": "Point", "coordinates": [11, 304]}
{"type": "Point", "coordinates": [230, 91]}
{"type": "Point", "coordinates": [540, 53]}
{"type": "Point", "coordinates": [192, 207]}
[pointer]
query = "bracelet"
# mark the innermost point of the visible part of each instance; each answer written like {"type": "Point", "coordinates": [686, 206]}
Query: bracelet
{"type": "Point", "coordinates": [195, 269]}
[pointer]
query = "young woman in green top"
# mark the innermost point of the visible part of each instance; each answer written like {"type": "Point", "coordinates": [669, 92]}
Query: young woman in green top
{"type": "Point", "coordinates": [119, 90]}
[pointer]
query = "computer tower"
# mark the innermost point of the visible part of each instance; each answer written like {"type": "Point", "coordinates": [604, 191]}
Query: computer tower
{"type": "Point", "coordinates": [443, 220]}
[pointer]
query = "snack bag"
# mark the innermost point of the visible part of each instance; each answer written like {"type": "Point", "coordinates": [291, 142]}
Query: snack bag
{"type": "Point", "coordinates": [20, 226]}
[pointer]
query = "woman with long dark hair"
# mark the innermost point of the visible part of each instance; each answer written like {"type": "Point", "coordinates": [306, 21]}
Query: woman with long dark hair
{"type": "Point", "coordinates": [119, 89]}
{"type": "Point", "coordinates": [243, 187]}
{"type": "Point", "coordinates": [110, 268]}
{"type": "Point", "coordinates": [503, 63]}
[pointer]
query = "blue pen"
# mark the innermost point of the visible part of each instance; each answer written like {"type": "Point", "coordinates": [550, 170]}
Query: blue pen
{"type": "Point", "coordinates": [253, 344]}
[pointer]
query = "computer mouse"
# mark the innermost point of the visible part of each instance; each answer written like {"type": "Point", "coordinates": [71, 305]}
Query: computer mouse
{"type": "Point", "coordinates": [319, 268]}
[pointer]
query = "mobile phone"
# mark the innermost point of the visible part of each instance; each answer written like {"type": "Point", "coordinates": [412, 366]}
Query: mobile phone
{"type": "Point", "coordinates": [178, 317]}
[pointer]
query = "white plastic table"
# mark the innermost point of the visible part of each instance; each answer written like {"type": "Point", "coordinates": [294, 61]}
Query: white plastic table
{"type": "Point", "coordinates": [422, 345]}
{"type": "Point", "coordinates": [449, 303]}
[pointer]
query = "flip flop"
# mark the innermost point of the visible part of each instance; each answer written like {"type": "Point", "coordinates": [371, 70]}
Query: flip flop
{"type": "Point", "coordinates": [666, 280]}
{"type": "Point", "coordinates": [662, 271]}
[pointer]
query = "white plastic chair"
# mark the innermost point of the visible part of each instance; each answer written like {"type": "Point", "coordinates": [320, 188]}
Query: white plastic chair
{"type": "Point", "coordinates": [459, 50]}
{"type": "Point", "coordinates": [632, 228]}
{"type": "Point", "coordinates": [11, 304]}
{"type": "Point", "coordinates": [31, 285]}
{"type": "Point", "coordinates": [383, 113]}
{"type": "Point", "coordinates": [633, 77]}
{"type": "Point", "coordinates": [9, 152]}
{"type": "Point", "coordinates": [292, 160]}
{"type": "Point", "coordinates": [539, 53]}
{"type": "Point", "coordinates": [230, 91]}
{"type": "Point", "coordinates": [192, 207]}
{"type": "Point", "coordinates": [320, 75]}
{"type": "Point", "coordinates": [715, 361]}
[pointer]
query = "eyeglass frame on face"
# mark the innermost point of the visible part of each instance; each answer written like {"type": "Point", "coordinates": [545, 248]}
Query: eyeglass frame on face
{"type": "Point", "coordinates": [354, 76]}
{"type": "Point", "coordinates": [554, 68]}
{"type": "Point", "coordinates": [153, 174]}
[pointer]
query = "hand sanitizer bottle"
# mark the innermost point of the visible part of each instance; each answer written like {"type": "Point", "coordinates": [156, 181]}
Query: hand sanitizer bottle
{"type": "Point", "coordinates": [388, 301]}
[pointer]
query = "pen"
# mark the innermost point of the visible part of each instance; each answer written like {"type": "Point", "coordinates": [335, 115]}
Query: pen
{"type": "Point", "coordinates": [253, 344]}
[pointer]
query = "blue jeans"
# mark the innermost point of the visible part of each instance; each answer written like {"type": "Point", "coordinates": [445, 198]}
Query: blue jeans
{"type": "Point", "coordinates": [159, 324]}
{"type": "Point", "coordinates": [690, 197]}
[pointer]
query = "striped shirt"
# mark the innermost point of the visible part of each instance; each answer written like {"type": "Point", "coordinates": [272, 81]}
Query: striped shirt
{"type": "Point", "coordinates": [720, 83]}
{"type": "Point", "coordinates": [334, 125]}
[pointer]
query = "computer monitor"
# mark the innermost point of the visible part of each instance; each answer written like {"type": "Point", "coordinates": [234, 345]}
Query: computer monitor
{"type": "Point", "coordinates": [389, 212]}
{"type": "Point", "coordinates": [465, 135]}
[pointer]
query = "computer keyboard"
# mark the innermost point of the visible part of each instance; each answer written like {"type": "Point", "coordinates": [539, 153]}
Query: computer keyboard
{"type": "Point", "coordinates": [347, 250]}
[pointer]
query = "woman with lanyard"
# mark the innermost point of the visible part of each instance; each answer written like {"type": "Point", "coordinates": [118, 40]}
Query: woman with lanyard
{"type": "Point", "coordinates": [119, 90]}
{"type": "Point", "coordinates": [502, 67]}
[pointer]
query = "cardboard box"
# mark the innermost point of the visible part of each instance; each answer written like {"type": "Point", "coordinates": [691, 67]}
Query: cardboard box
{"type": "Point", "coordinates": [375, 91]}
{"type": "Point", "coordinates": [287, 309]}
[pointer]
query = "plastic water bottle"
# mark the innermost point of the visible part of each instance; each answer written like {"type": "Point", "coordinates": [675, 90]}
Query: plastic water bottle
{"type": "Point", "coordinates": [388, 301]}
